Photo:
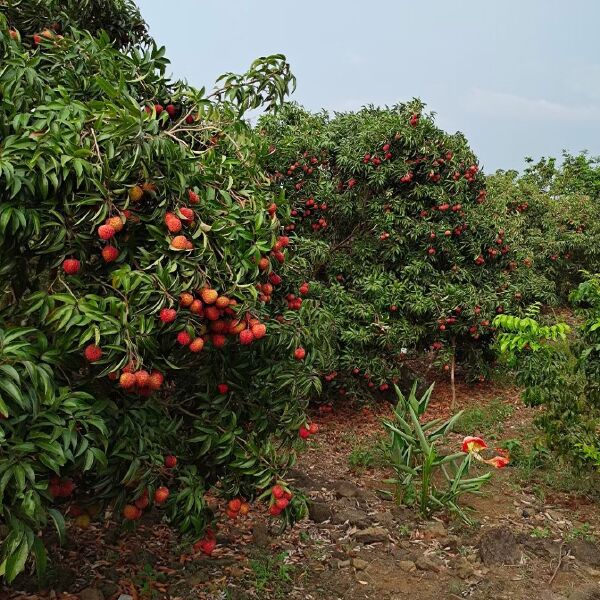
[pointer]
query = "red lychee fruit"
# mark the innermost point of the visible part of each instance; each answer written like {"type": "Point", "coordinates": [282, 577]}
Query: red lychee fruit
{"type": "Point", "coordinates": [161, 495]}
{"type": "Point", "coordinates": [92, 353]}
{"type": "Point", "coordinates": [170, 461]}
{"type": "Point", "coordinates": [246, 337]}
{"type": "Point", "coordinates": [167, 315]}
{"type": "Point", "coordinates": [197, 345]}
{"type": "Point", "coordinates": [106, 232]}
{"type": "Point", "coordinates": [131, 512]}
{"type": "Point", "coordinates": [110, 254]}
{"type": "Point", "coordinates": [156, 380]}
{"type": "Point", "coordinates": [142, 378]}
{"type": "Point", "coordinates": [209, 296]}
{"type": "Point", "coordinates": [184, 338]}
{"type": "Point", "coordinates": [277, 491]}
{"type": "Point", "coordinates": [71, 266]}
{"type": "Point", "coordinates": [127, 381]}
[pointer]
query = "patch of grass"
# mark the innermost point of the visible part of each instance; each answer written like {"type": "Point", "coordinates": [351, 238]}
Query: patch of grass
{"type": "Point", "coordinates": [541, 533]}
{"type": "Point", "coordinates": [582, 532]}
{"type": "Point", "coordinates": [484, 420]}
{"type": "Point", "coordinates": [273, 573]}
{"type": "Point", "coordinates": [367, 454]}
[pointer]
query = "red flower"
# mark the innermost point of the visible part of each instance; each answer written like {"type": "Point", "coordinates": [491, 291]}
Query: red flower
{"type": "Point", "coordinates": [473, 444]}
{"type": "Point", "coordinates": [498, 461]}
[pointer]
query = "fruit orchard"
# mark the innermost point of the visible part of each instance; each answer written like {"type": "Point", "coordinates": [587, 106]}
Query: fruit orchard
{"type": "Point", "coordinates": [178, 285]}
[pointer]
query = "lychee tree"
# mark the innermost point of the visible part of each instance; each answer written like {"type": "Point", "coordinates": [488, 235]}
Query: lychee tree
{"type": "Point", "coordinates": [415, 260]}
{"type": "Point", "coordinates": [139, 363]}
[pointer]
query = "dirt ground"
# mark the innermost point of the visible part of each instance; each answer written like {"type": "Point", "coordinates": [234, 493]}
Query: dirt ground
{"type": "Point", "coordinates": [534, 533]}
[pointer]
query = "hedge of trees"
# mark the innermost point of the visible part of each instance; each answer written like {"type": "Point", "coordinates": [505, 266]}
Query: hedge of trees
{"type": "Point", "coordinates": [178, 285]}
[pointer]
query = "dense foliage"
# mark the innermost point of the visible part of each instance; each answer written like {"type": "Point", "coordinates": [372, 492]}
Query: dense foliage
{"type": "Point", "coordinates": [138, 366]}
{"type": "Point", "coordinates": [559, 369]}
{"type": "Point", "coordinates": [175, 285]}
{"type": "Point", "coordinates": [416, 258]}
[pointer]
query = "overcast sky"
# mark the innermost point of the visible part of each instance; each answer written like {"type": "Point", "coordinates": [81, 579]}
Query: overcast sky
{"type": "Point", "coordinates": [518, 77]}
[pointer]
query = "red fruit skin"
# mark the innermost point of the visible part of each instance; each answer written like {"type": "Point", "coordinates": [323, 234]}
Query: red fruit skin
{"type": "Point", "coordinates": [259, 331]}
{"type": "Point", "coordinates": [93, 353]}
{"type": "Point", "coordinates": [173, 222]}
{"type": "Point", "coordinates": [281, 503]}
{"type": "Point", "coordinates": [158, 108]}
{"type": "Point", "coordinates": [156, 380]}
{"type": "Point", "coordinates": [193, 197]}
{"type": "Point", "coordinates": [106, 232]}
{"type": "Point", "coordinates": [110, 254]}
{"type": "Point", "coordinates": [246, 337]}
{"type": "Point", "coordinates": [142, 378]}
{"type": "Point", "coordinates": [131, 512]}
{"type": "Point", "coordinates": [161, 495]}
{"type": "Point", "coordinates": [127, 381]}
{"type": "Point", "coordinates": [223, 388]}
{"type": "Point", "coordinates": [234, 505]}
{"type": "Point", "coordinates": [299, 353]}
{"type": "Point", "coordinates": [274, 510]}
{"type": "Point", "coordinates": [188, 213]}
{"type": "Point", "coordinates": [170, 461]}
{"type": "Point", "coordinates": [275, 279]}
{"type": "Point", "coordinates": [314, 428]}
{"type": "Point", "coordinates": [171, 110]}
{"type": "Point", "coordinates": [303, 432]}
{"type": "Point", "coordinates": [71, 266]}
{"type": "Point", "coordinates": [184, 338]}
{"type": "Point", "coordinates": [277, 491]}
{"type": "Point", "coordinates": [142, 502]}
{"type": "Point", "coordinates": [168, 315]}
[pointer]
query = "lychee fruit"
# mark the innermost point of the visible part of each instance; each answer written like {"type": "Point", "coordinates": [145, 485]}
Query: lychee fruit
{"type": "Point", "coordinates": [116, 223]}
{"type": "Point", "coordinates": [168, 315]}
{"type": "Point", "coordinates": [184, 338]}
{"type": "Point", "coordinates": [277, 491]}
{"type": "Point", "coordinates": [209, 296]}
{"type": "Point", "coordinates": [71, 266]}
{"type": "Point", "coordinates": [173, 222]}
{"type": "Point", "coordinates": [131, 512]}
{"type": "Point", "coordinates": [246, 337]}
{"type": "Point", "coordinates": [299, 353]}
{"type": "Point", "coordinates": [136, 193]}
{"type": "Point", "coordinates": [161, 495]}
{"type": "Point", "coordinates": [170, 461]}
{"type": "Point", "coordinates": [142, 378]}
{"type": "Point", "coordinates": [156, 380]}
{"type": "Point", "coordinates": [196, 345]}
{"type": "Point", "coordinates": [110, 254]}
{"type": "Point", "coordinates": [106, 232]}
{"type": "Point", "coordinates": [259, 331]}
{"type": "Point", "coordinates": [127, 380]}
{"type": "Point", "coordinates": [185, 299]}
{"type": "Point", "coordinates": [93, 353]}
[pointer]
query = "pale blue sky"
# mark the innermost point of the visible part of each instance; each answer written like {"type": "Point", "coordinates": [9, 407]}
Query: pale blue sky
{"type": "Point", "coordinates": [518, 77]}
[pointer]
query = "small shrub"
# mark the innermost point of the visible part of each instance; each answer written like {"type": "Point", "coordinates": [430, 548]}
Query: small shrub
{"type": "Point", "coordinates": [425, 476]}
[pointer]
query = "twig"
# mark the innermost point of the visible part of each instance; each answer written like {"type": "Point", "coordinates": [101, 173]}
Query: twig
{"type": "Point", "coordinates": [560, 557]}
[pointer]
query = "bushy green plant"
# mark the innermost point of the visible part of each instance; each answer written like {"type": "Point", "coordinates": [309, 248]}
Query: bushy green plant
{"type": "Point", "coordinates": [135, 226]}
{"type": "Point", "coordinates": [558, 369]}
{"type": "Point", "coordinates": [416, 261]}
{"type": "Point", "coordinates": [425, 475]}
